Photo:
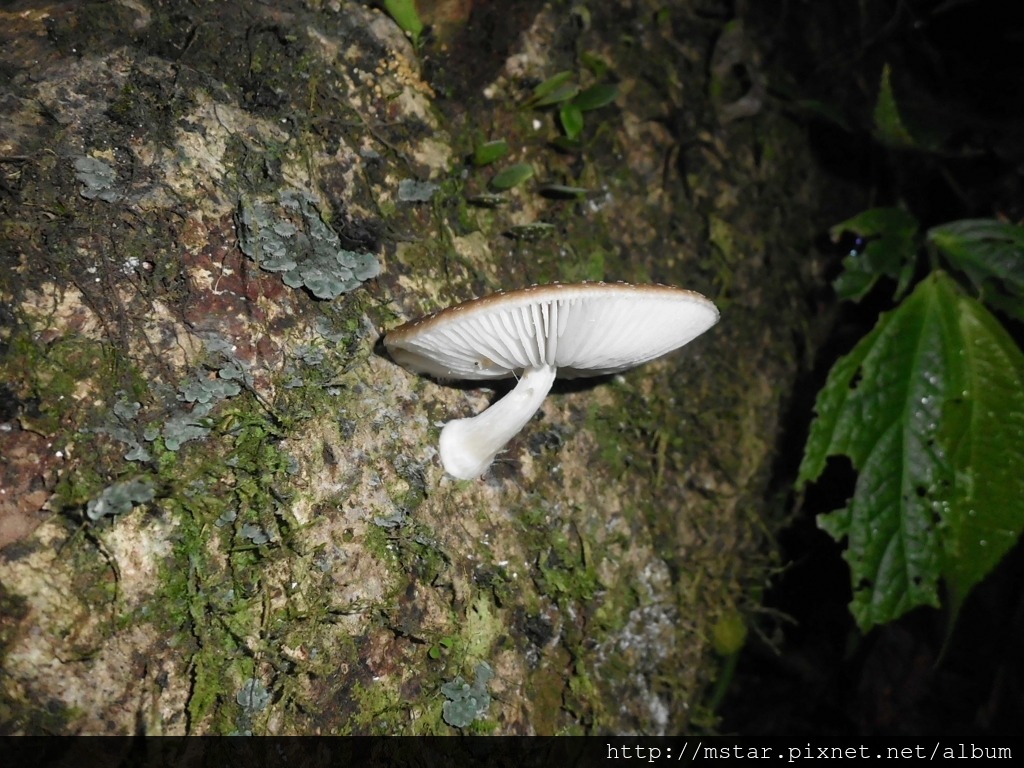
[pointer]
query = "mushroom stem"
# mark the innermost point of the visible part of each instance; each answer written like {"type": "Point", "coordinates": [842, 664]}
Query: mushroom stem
{"type": "Point", "coordinates": [468, 446]}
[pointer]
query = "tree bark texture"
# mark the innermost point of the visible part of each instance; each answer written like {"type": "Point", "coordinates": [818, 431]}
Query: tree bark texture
{"type": "Point", "coordinates": [222, 507]}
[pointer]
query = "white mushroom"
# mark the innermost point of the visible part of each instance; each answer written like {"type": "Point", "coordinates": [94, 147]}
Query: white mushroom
{"type": "Point", "coordinates": [587, 329]}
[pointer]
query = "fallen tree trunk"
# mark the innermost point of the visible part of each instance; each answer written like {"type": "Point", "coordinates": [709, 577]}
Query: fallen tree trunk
{"type": "Point", "coordinates": [223, 508]}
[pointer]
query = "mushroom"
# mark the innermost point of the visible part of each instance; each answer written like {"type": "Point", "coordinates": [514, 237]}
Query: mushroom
{"type": "Point", "coordinates": [585, 329]}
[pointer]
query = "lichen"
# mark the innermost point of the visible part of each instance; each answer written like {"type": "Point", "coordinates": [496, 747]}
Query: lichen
{"type": "Point", "coordinates": [99, 180]}
{"type": "Point", "coordinates": [120, 498]}
{"type": "Point", "coordinates": [466, 702]}
{"type": "Point", "coordinates": [292, 238]}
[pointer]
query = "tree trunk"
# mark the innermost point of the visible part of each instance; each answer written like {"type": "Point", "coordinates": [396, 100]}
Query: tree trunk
{"type": "Point", "coordinates": [222, 506]}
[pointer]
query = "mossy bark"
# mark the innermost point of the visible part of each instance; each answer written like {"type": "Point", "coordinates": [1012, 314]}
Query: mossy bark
{"type": "Point", "coordinates": [305, 566]}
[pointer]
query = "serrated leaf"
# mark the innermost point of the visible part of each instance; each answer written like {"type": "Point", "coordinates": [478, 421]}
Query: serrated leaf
{"type": "Point", "coordinates": [512, 176]}
{"type": "Point", "coordinates": [596, 96]}
{"type": "Point", "coordinates": [891, 251]}
{"type": "Point", "coordinates": [888, 122]}
{"type": "Point", "coordinates": [929, 407]}
{"type": "Point", "coordinates": [991, 254]}
{"type": "Point", "coordinates": [572, 120]}
{"type": "Point", "coordinates": [982, 431]}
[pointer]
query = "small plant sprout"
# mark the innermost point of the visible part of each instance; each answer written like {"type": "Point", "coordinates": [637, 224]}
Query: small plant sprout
{"type": "Point", "coordinates": [489, 152]}
{"type": "Point", "coordinates": [563, 92]}
{"type": "Point", "coordinates": [512, 176]}
{"type": "Point", "coordinates": [534, 334]}
{"type": "Point", "coordinates": [406, 16]}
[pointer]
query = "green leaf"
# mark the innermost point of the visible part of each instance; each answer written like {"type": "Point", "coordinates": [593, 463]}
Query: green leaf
{"type": "Point", "coordinates": [572, 120]}
{"type": "Point", "coordinates": [729, 633]}
{"type": "Point", "coordinates": [406, 16]}
{"type": "Point", "coordinates": [512, 176]}
{"type": "Point", "coordinates": [487, 199]}
{"type": "Point", "coordinates": [929, 407]}
{"type": "Point", "coordinates": [891, 251]}
{"type": "Point", "coordinates": [596, 96]}
{"type": "Point", "coordinates": [991, 254]}
{"type": "Point", "coordinates": [567, 145]}
{"type": "Point", "coordinates": [562, 191]}
{"type": "Point", "coordinates": [535, 230]}
{"type": "Point", "coordinates": [564, 92]}
{"type": "Point", "coordinates": [549, 86]}
{"type": "Point", "coordinates": [594, 63]}
{"type": "Point", "coordinates": [490, 151]}
{"type": "Point", "coordinates": [888, 122]}
{"type": "Point", "coordinates": [822, 109]}
{"type": "Point", "coordinates": [982, 431]}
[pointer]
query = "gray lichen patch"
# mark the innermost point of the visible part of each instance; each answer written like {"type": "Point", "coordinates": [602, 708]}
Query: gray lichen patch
{"type": "Point", "coordinates": [99, 180]}
{"type": "Point", "coordinates": [292, 238]}
{"type": "Point", "coordinates": [119, 498]}
{"type": "Point", "coordinates": [467, 702]}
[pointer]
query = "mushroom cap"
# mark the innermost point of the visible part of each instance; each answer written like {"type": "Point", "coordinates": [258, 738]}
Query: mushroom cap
{"type": "Point", "coordinates": [583, 329]}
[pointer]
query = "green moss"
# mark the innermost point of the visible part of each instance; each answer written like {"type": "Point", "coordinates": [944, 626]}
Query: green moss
{"type": "Point", "coordinates": [380, 710]}
{"type": "Point", "coordinates": [581, 697]}
{"type": "Point", "coordinates": [378, 542]}
{"type": "Point", "coordinates": [22, 718]}
{"type": "Point", "coordinates": [74, 489]}
{"type": "Point", "coordinates": [214, 585]}
{"type": "Point", "coordinates": [565, 573]}
{"type": "Point", "coordinates": [147, 102]}
{"type": "Point", "coordinates": [590, 263]}
{"type": "Point", "coordinates": [49, 379]}
{"type": "Point", "coordinates": [483, 624]}
{"type": "Point", "coordinates": [504, 590]}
